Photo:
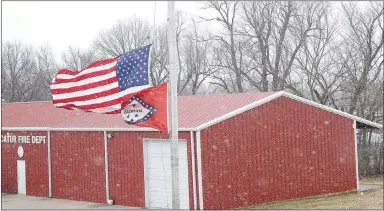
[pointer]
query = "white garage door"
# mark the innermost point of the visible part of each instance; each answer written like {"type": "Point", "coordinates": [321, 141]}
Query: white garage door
{"type": "Point", "coordinates": [158, 177]}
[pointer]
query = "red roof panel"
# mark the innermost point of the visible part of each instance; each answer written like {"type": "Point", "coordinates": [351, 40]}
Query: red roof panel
{"type": "Point", "coordinates": [192, 111]}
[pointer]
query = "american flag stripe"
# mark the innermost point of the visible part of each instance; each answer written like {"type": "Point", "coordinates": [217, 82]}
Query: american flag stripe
{"type": "Point", "coordinates": [103, 99]}
{"type": "Point", "coordinates": [86, 76]}
{"type": "Point", "coordinates": [103, 85]}
{"type": "Point", "coordinates": [114, 109]}
{"type": "Point", "coordinates": [102, 106]}
{"type": "Point", "coordinates": [84, 82]}
{"type": "Point", "coordinates": [87, 97]}
{"type": "Point", "coordinates": [87, 91]}
{"type": "Point", "coordinates": [67, 74]}
{"type": "Point", "coordinates": [89, 86]}
{"type": "Point", "coordinates": [84, 93]}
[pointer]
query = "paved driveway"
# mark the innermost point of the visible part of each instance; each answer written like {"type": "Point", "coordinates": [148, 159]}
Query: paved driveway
{"type": "Point", "coordinates": [364, 187]}
{"type": "Point", "coordinates": [14, 202]}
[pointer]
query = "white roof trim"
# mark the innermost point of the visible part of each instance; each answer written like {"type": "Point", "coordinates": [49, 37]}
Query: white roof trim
{"type": "Point", "coordinates": [294, 97]}
{"type": "Point", "coordinates": [24, 129]}
{"type": "Point", "coordinates": [85, 129]}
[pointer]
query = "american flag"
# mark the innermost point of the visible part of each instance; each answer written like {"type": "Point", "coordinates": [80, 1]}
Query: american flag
{"type": "Point", "coordinates": [104, 85]}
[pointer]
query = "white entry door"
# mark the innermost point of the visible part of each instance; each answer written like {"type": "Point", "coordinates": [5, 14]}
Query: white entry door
{"type": "Point", "coordinates": [21, 180]}
{"type": "Point", "coordinates": [158, 176]}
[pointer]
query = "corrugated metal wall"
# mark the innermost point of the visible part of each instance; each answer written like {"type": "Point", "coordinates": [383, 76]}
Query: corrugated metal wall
{"type": "Point", "coordinates": [126, 166]}
{"type": "Point", "coordinates": [78, 166]}
{"type": "Point", "coordinates": [78, 169]}
{"type": "Point", "coordinates": [280, 150]}
{"type": "Point", "coordinates": [36, 165]}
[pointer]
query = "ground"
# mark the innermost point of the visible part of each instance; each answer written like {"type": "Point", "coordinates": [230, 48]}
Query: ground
{"type": "Point", "coordinates": [370, 199]}
{"type": "Point", "coordinates": [22, 202]}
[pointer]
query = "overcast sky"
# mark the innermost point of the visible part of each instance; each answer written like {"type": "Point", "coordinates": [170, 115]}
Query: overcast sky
{"type": "Point", "coordinates": [64, 23]}
{"type": "Point", "coordinates": [61, 24]}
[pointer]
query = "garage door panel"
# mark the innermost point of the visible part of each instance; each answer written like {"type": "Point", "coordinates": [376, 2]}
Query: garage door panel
{"type": "Point", "coordinates": [154, 147]}
{"type": "Point", "coordinates": [159, 175]}
{"type": "Point", "coordinates": [159, 196]}
{"type": "Point", "coordinates": [160, 205]}
{"type": "Point", "coordinates": [158, 163]}
{"type": "Point", "coordinates": [161, 189]}
{"type": "Point", "coordinates": [161, 156]}
{"type": "Point", "coordinates": [160, 185]}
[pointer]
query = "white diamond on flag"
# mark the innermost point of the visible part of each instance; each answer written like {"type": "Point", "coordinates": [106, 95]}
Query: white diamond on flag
{"type": "Point", "coordinates": [137, 111]}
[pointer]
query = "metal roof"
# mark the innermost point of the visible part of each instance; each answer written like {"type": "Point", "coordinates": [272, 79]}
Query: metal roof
{"type": "Point", "coordinates": [195, 113]}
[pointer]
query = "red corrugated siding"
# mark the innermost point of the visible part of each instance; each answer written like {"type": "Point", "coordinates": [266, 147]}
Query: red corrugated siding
{"type": "Point", "coordinates": [281, 150]}
{"type": "Point", "coordinates": [78, 166]}
{"type": "Point", "coordinates": [8, 166]}
{"type": "Point", "coordinates": [36, 164]}
{"type": "Point", "coordinates": [126, 166]}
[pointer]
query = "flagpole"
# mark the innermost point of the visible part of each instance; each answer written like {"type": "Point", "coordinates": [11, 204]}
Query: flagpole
{"type": "Point", "coordinates": [173, 107]}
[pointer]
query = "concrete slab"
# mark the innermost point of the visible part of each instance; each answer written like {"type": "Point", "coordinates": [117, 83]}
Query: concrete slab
{"type": "Point", "coordinates": [15, 202]}
{"type": "Point", "coordinates": [364, 187]}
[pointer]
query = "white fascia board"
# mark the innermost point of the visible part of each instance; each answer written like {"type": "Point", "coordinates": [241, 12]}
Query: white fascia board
{"type": "Point", "coordinates": [356, 156]}
{"type": "Point", "coordinates": [239, 111]}
{"type": "Point", "coordinates": [199, 170]}
{"type": "Point", "coordinates": [193, 172]}
{"type": "Point", "coordinates": [85, 129]}
{"type": "Point", "coordinates": [332, 110]}
{"type": "Point", "coordinates": [25, 129]}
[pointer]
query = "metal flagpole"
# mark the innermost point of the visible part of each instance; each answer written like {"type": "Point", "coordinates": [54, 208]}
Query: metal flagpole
{"type": "Point", "coordinates": [173, 107]}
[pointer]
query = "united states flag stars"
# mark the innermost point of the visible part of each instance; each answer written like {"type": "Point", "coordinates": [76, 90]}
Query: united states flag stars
{"type": "Point", "coordinates": [132, 68]}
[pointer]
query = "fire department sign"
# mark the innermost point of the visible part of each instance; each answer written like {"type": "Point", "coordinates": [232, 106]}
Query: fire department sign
{"type": "Point", "coordinates": [23, 139]}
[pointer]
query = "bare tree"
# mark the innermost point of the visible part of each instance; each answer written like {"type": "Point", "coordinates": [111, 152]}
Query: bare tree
{"type": "Point", "coordinates": [76, 59]}
{"type": "Point", "coordinates": [364, 48]}
{"type": "Point", "coordinates": [196, 59]}
{"type": "Point", "coordinates": [123, 37]}
{"type": "Point", "coordinates": [278, 31]}
{"type": "Point", "coordinates": [20, 77]}
{"type": "Point", "coordinates": [362, 54]}
{"type": "Point", "coordinates": [228, 49]}
{"type": "Point", "coordinates": [317, 64]}
{"type": "Point", "coordinates": [159, 57]}
{"type": "Point", "coordinates": [134, 33]}
{"type": "Point", "coordinates": [257, 25]}
{"type": "Point", "coordinates": [46, 68]}
{"type": "Point", "coordinates": [180, 28]}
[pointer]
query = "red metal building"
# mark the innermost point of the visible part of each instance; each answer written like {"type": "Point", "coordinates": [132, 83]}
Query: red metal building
{"type": "Point", "coordinates": [235, 151]}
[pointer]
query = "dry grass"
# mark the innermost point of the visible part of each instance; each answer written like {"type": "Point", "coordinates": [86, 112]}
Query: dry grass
{"type": "Point", "coordinates": [371, 199]}
{"type": "Point", "coordinates": [372, 181]}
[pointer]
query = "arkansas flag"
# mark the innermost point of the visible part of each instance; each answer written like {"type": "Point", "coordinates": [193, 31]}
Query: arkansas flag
{"type": "Point", "coordinates": [148, 108]}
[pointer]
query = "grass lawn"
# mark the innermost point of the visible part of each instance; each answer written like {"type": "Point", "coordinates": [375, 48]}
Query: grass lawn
{"type": "Point", "coordinates": [371, 199]}
{"type": "Point", "coordinates": [372, 181]}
